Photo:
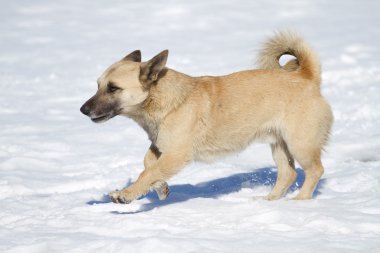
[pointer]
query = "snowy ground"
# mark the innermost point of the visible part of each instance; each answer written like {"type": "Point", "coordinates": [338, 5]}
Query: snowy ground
{"type": "Point", "coordinates": [56, 165]}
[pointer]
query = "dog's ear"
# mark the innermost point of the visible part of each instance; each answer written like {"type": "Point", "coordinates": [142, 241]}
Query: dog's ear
{"type": "Point", "coordinates": [150, 70]}
{"type": "Point", "coordinates": [134, 56]}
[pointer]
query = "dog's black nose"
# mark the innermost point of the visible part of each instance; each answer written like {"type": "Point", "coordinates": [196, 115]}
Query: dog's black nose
{"type": "Point", "coordinates": [85, 109]}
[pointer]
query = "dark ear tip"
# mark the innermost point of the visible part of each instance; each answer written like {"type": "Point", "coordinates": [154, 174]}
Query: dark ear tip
{"type": "Point", "coordinates": [138, 54]}
{"type": "Point", "coordinates": [164, 54]}
{"type": "Point", "coordinates": [134, 56]}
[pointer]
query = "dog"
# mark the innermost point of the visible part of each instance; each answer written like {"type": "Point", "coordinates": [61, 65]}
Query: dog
{"type": "Point", "coordinates": [204, 118]}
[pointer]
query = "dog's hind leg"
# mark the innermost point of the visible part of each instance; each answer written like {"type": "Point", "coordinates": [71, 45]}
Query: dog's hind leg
{"type": "Point", "coordinates": [312, 165]}
{"type": "Point", "coordinates": [305, 140]}
{"type": "Point", "coordinates": [286, 172]}
{"type": "Point", "coordinates": [305, 144]}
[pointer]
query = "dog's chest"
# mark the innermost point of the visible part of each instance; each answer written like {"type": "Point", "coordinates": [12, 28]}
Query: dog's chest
{"type": "Point", "coordinates": [152, 131]}
{"type": "Point", "coordinates": [150, 126]}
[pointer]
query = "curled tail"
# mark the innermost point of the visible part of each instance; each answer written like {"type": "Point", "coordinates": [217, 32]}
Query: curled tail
{"type": "Point", "coordinates": [307, 62]}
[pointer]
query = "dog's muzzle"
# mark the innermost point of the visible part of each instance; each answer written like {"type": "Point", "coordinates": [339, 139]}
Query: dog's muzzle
{"type": "Point", "coordinates": [97, 117]}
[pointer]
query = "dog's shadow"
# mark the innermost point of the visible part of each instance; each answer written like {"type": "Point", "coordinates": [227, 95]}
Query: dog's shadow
{"type": "Point", "coordinates": [215, 188]}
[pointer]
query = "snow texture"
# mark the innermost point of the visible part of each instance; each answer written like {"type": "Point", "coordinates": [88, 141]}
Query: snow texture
{"type": "Point", "coordinates": [56, 166]}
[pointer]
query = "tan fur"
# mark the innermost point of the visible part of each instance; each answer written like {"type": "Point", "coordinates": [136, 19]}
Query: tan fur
{"type": "Point", "coordinates": [290, 43]}
{"type": "Point", "coordinates": [205, 118]}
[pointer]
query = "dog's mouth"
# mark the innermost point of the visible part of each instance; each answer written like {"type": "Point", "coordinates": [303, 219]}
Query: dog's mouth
{"type": "Point", "coordinates": [102, 118]}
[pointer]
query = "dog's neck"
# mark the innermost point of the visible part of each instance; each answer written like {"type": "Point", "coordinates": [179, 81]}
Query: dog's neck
{"type": "Point", "coordinates": [165, 96]}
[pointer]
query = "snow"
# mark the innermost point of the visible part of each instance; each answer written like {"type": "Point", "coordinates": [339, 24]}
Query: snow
{"type": "Point", "coordinates": [56, 166]}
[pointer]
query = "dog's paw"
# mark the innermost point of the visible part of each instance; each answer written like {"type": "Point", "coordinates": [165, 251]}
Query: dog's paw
{"type": "Point", "coordinates": [300, 197]}
{"type": "Point", "coordinates": [271, 197]}
{"type": "Point", "coordinates": [162, 189]}
{"type": "Point", "coordinates": [120, 197]}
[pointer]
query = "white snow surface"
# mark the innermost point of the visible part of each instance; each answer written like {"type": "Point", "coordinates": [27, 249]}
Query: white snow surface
{"type": "Point", "coordinates": [56, 166]}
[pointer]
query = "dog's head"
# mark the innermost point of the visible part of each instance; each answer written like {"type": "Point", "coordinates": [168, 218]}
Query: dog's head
{"type": "Point", "coordinates": [124, 86]}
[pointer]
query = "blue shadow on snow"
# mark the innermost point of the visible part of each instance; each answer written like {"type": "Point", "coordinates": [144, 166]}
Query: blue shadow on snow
{"type": "Point", "coordinates": [215, 188]}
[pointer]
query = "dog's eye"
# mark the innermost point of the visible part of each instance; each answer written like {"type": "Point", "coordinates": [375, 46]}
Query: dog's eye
{"type": "Point", "coordinates": [111, 88]}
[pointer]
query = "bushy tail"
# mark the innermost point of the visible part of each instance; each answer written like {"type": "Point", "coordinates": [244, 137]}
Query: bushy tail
{"type": "Point", "coordinates": [307, 62]}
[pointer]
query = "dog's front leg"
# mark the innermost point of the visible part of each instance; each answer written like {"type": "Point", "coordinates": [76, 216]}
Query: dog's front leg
{"type": "Point", "coordinates": [151, 157]}
{"type": "Point", "coordinates": [166, 166]}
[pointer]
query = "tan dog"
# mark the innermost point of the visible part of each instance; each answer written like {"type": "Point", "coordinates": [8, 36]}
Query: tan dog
{"type": "Point", "coordinates": [204, 118]}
